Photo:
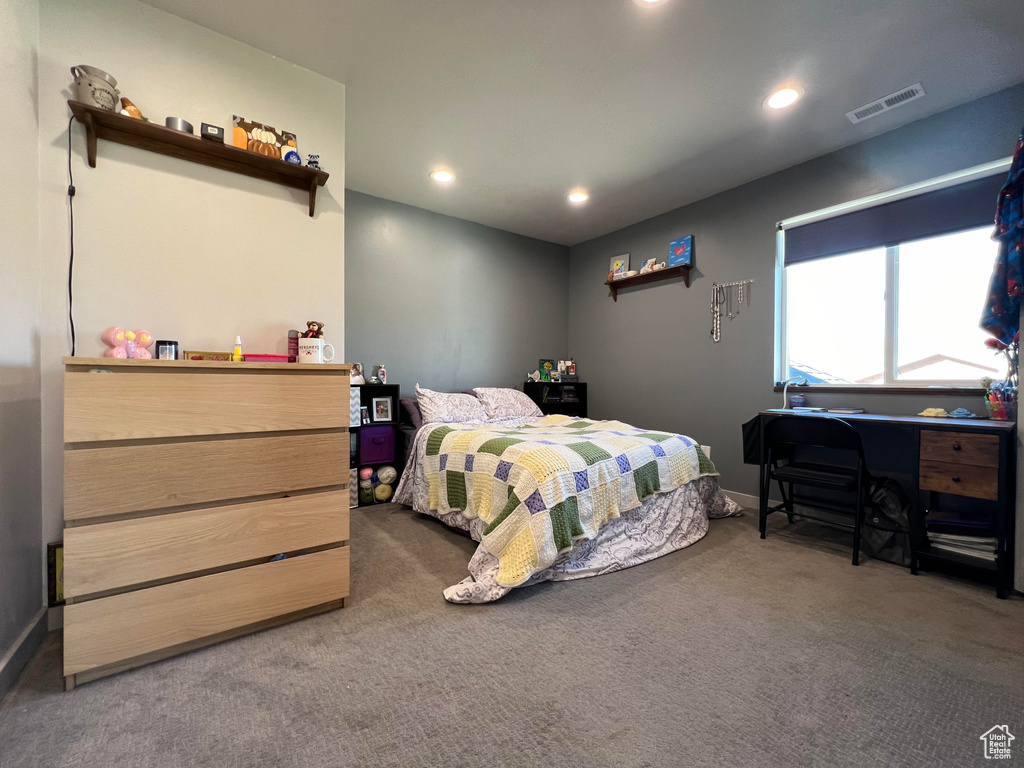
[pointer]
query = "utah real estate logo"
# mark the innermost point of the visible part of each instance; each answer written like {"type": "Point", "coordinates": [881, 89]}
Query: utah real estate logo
{"type": "Point", "coordinates": [997, 742]}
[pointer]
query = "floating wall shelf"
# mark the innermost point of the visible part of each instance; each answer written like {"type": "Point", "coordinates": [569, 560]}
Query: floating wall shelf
{"type": "Point", "coordinates": [104, 124]}
{"type": "Point", "coordinates": [680, 270]}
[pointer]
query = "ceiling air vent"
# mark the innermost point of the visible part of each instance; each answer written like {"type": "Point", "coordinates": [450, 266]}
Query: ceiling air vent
{"type": "Point", "coordinates": [884, 104]}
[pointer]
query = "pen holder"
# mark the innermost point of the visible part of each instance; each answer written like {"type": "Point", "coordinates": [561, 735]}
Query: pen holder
{"type": "Point", "coordinates": [1002, 411]}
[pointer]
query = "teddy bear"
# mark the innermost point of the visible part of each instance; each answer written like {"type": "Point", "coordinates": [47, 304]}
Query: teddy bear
{"type": "Point", "coordinates": [314, 330]}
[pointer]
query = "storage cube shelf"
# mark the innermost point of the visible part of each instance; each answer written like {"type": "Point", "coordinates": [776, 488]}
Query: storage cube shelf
{"type": "Point", "coordinates": [375, 444]}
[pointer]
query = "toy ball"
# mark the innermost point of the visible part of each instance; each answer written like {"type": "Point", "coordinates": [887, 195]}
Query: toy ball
{"type": "Point", "coordinates": [387, 475]}
{"type": "Point", "coordinates": [382, 492]}
{"type": "Point", "coordinates": [365, 473]}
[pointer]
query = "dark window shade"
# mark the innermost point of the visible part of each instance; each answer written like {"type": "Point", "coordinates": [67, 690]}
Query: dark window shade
{"type": "Point", "coordinates": [963, 206]}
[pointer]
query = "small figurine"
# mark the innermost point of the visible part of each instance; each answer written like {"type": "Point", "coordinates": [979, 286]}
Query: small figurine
{"type": "Point", "coordinates": [313, 161]}
{"type": "Point", "coordinates": [611, 275]}
{"type": "Point", "coordinates": [127, 344]}
{"type": "Point", "coordinates": [129, 109]}
{"type": "Point", "coordinates": [572, 367]}
{"type": "Point", "coordinates": [382, 374]}
{"type": "Point", "coordinates": [314, 330]}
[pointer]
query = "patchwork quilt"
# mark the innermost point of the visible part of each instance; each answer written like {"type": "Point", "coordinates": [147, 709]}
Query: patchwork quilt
{"type": "Point", "coordinates": [541, 486]}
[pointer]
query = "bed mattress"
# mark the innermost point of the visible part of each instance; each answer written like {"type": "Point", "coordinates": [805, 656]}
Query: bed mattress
{"type": "Point", "coordinates": [617, 522]}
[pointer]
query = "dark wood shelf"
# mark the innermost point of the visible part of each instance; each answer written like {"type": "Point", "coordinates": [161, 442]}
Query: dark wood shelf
{"type": "Point", "coordinates": [680, 270]}
{"type": "Point", "coordinates": [104, 124]}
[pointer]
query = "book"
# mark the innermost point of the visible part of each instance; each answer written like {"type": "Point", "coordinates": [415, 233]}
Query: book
{"type": "Point", "coordinates": [846, 410]}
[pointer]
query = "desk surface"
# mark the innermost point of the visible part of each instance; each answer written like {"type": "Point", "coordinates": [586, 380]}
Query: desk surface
{"type": "Point", "coordinates": [976, 425]}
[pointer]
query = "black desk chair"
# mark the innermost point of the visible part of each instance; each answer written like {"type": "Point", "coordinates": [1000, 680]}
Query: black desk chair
{"type": "Point", "coordinates": [783, 437]}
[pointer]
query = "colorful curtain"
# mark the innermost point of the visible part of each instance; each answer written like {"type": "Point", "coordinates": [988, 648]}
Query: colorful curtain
{"type": "Point", "coordinates": [1001, 316]}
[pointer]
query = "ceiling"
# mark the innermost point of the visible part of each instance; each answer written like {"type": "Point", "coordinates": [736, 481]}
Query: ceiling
{"type": "Point", "coordinates": [647, 108]}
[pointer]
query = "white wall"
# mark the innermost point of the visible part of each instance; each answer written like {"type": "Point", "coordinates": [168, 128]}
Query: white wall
{"type": "Point", "coordinates": [188, 252]}
{"type": "Point", "coordinates": [21, 583]}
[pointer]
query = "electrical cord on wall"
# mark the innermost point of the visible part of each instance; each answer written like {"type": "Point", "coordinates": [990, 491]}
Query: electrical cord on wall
{"type": "Point", "coordinates": [71, 258]}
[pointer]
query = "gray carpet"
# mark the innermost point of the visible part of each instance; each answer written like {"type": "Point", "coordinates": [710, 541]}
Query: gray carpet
{"type": "Point", "coordinates": [734, 652]}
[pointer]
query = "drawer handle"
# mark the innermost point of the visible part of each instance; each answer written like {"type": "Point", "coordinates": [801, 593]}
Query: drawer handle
{"type": "Point", "coordinates": [956, 478]}
{"type": "Point", "coordinates": [956, 446]}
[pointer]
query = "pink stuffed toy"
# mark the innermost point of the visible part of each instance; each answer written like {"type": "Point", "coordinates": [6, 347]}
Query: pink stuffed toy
{"type": "Point", "coordinates": [127, 344]}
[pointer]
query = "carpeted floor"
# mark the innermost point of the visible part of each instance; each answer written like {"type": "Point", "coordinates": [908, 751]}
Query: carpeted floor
{"type": "Point", "coordinates": [734, 652]}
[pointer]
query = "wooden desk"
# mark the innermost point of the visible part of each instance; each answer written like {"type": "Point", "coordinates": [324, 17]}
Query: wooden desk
{"type": "Point", "coordinates": [944, 464]}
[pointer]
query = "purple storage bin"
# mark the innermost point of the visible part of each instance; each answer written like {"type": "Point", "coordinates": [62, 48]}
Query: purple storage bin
{"type": "Point", "coordinates": [376, 445]}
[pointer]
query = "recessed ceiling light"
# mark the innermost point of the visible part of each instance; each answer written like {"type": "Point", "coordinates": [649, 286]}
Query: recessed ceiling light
{"type": "Point", "coordinates": [442, 176]}
{"type": "Point", "coordinates": [648, 3]}
{"type": "Point", "coordinates": [578, 196]}
{"type": "Point", "coordinates": [784, 97]}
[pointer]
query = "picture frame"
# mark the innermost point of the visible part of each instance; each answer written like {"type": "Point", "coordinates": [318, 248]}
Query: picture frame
{"type": "Point", "coordinates": [382, 409]}
{"type": "Point", "coordinates": [546, 366]}
{"type": "Point", "coordinates": [619, 265]}
{"type": "Point", "coordinates": [680, 251]}
{"type": "Point", "coordinates": [364, 414]}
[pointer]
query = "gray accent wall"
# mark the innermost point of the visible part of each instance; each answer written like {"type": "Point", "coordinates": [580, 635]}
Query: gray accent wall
{"type": "Point", "coordinates": [648, 358]}
{"type": "Point", "coordinates": [448, 303]}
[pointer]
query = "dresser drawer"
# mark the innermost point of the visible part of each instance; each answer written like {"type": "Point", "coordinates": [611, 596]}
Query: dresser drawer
{"type": "Point", "coordinates": [129, 404]}
{"type": "Point", "coordinates": [960, 447]}
{"type": "Point", "coordinates": [961, 479]}
{"type": "Point", "coordinates": [120, 554]}
{"type": "Point", "coordinates": [198, 472]}
{"type": "Point", "coordinates": [120, 628]}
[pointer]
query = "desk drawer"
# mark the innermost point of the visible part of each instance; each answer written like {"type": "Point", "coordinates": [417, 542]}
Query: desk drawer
{"type": "Point", "coordinates": [960, 479]}
{"type": "Point", "coordinates": [124, 553]}
{"type": "Point", "coordinates": [960, 448]}
{"type": "Point", "coordinates": [146, 621]}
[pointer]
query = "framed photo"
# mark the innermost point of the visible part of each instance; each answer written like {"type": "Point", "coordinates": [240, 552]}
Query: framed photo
{"type": "Point", "coordinates": [382, 409]}
{"type": "Point", "coordinates": [364, 413]}
{"type": "Point", "coordinates": [546, 366]}
{"type": "Point", "coordinates": [680, 251]}
{"type": "Point", "coordinates": [619, 265]}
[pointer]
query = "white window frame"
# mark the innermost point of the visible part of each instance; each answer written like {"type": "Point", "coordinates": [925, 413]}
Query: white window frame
{"type": "Point", "coordinates": [890, 374]}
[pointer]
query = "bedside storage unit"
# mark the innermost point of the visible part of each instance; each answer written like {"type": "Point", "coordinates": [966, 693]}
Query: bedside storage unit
{"type": "Point", "coordinates": [182, 480]}
{"type": "Point", "coordinates": [374, 444]}
{"type": "Point", "coordinates": [568, 398]}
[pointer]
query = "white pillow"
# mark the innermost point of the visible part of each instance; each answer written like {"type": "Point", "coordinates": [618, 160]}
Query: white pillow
{"type": "Point", "coordinates": [504, 403]}
{"type": "Point", "coordinates": [448, 408]}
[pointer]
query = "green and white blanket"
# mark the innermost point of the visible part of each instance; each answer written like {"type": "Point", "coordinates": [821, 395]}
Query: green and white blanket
{"type": "Point", "coordinates": [542, 486]}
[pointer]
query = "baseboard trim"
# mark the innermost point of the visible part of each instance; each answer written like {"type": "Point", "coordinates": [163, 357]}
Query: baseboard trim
{"type": "Point", "coordinates": [747, 501]}
{"type": "Point", "coordinates": [21, 651]}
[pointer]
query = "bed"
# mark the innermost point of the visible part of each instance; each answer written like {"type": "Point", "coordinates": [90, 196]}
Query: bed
{"type": "Point", "coordinates": [555, 498]}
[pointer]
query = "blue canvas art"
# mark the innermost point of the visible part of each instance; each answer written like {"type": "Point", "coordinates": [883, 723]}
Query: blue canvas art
{"type": "Point", "coordinates": [680, 251]}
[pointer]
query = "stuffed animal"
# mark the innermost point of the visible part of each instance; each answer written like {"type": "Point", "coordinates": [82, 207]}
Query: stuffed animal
{"type": "Point", "coordinates": [314, 330]}
{"type": "Point", "coordinates": [127, 344]}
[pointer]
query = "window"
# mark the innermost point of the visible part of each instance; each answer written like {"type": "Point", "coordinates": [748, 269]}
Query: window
{"type": "Point", "coordinates": [891, 293]}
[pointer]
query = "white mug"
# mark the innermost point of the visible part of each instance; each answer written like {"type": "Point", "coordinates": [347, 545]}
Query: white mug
{"type": "Point", "coordinates": [312, 351]}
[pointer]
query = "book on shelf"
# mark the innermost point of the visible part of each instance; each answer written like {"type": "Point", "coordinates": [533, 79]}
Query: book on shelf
{"type": "Point", "coordinates": [968, 542]}
{"type": "Point", "coordinates": [989, 555]}
{"type": "Point", "coordinates": [846, 410]}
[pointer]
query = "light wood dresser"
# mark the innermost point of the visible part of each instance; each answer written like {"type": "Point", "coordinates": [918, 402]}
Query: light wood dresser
{"type": "Point", "coordinates": [181, 481]}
